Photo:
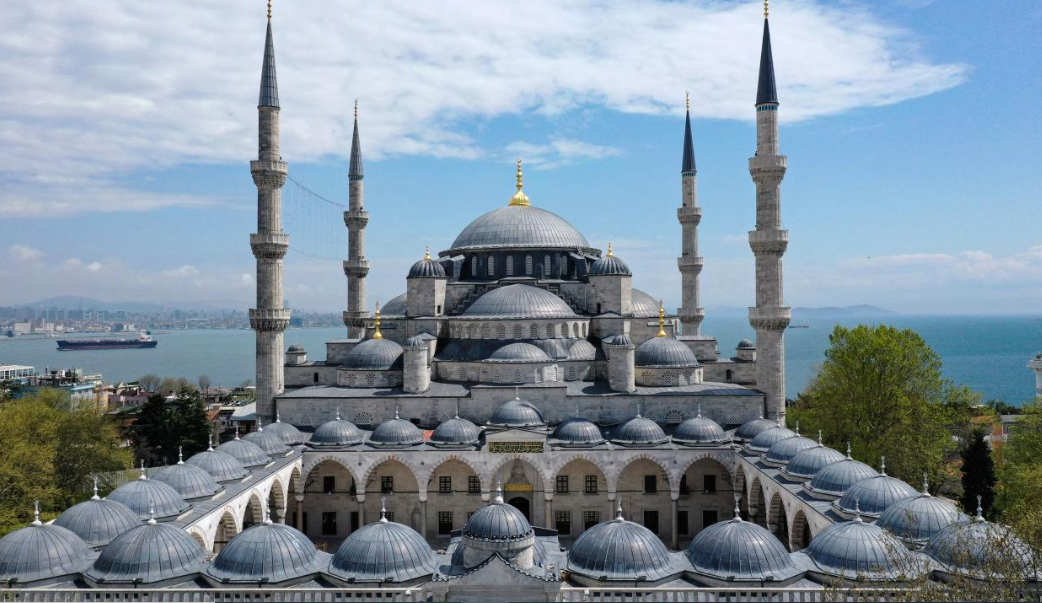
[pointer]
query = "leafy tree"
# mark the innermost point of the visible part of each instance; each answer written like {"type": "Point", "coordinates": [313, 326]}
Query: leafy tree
{"type": "Point", "coordinates": [1020, 476]}
{"type": "Point", "coordinates": [978, 475]}
{"type": "Point", "coordinates": [881, 389]}
{"type": "Point", "coordinates": [149, 382]}
{"type": "Point", "coordinates": [190, 423]}
{"type": "Point", "coordinates": [152, 430]}
{"type": "Point", "coordinates": [205, 383]}
{"type": "Point", "coordinates": [162, 427]}
{"type": "Point", "coordinates": [1001, 408]}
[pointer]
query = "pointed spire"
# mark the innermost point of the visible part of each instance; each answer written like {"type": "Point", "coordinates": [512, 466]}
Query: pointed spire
{"type": "Point", "coordinates": [96, 496]}
{"type": "Point", "coordinates": [926, 484]}
{"type": "Point", "coordinates": [151, 511]}
{"type": "Point", "coordinates": [354, 171]}
{"type": "Point", "coordinates": [269, 87]}
{"type": "Point", "coordinates": [377, 334]}
{"type": "Point", "coordinates": [36, 514]}
{"type": "Point", "coordinates": [699, 411]}
{"type": "Point", "coordinates": [819, 438]}
{"type": "Point", "coordinates": [396, 412]}
{"type": "Point", "coordinates": [278, 419]}
{"type": "Point", "coordinates": [618, 511]}
{"type": "Point", "coordinates": [857, 510]}
{"type": "Point", "coordinates": [517, 394]}
{"type": "Point", "coordinates": [688, 165]}
{"type": "Point", "coordinates": [427, 253]}
{"type": "Point", "coordinates": [661, 319]}
{"type": "Point", "coordinates": [611, 253]}
{"type": "Point", "coordinates": [766, 92]}
{"type": "Point", "coordinates": [638, 410]}
{"type": "Point", "coordinates": [498, 498]}
{"type": "Point", "coordinates": [848, 451]}
{"type": "Point", "coordinates": [882, 465]}
{"type": "Point", "coordinates": [267, 514]}
{"type": "Point", "coordinates": [142, 476]}
{"type": "Point", "coordinates": [457, 409]}
{"type": "Point", "coordinates": [737, 507]}
{"type": "Point", "coordinates": [979, 517]}
{"type": "Point", "coordinates": [209, 443]}
{"type": "Point", "coordinates": [383, 508]}
{"type": "Point", "coordinates": [797, 428]}
{"type": "Point", "coordinates": [337, 413]}
{"type": "Point", "coordinates": [260, 424]}
{"type": "Point", "coordinates": [519, 198]}
{"type": "Point", "coordinates": [237, 432]}
{"type": "Point", "coordinates": [180, 456]}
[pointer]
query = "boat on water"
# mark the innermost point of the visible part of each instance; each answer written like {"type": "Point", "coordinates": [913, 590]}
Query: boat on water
{"type": "Point", "coordinates": [144, 340]}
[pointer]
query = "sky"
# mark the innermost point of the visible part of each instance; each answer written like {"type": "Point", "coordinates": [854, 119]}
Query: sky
{"type": "Point", "coordinates": [911, 129]}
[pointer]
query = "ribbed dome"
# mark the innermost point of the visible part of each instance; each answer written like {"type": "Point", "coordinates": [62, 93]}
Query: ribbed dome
{"type": "Point", "coordinates": [457, 432]}
{"type": "Point", "coordinates": [751, 429]}
{"type": "Point", "coordinates": [189, 481]}
{"type": "Point", "coordinates": [97, 521]}
{"type": "Point", "coordinates": [221, 465]}
{"type": "Point", "coordinates": [874, 495]}
{"type": "Point", "coordinates": [517, 413]}
{"type": "Point", "coordinates": [42, 552]}
{"type": "Point", "coordinates": [783, 450]}
{"type": "Point", "coordinates": [582, 350]}
{"type": "Point", "coordinates": [150, 553]}
{"type": "Point", "coordinates": [289, 434]}
{"type": "Point", "coordinates": [247, 453]}
{"type": "Point", "coordinates": [643, 305]}
{"type": "Point", "coordinates": [519, 226]}
{"type": "Point", "coordinates": [270, 552]}
{"type": "Point", "coordinates": [807, 463]}
{"type": "Point", "coordinates": [271, 444]}
{"type": "Point", "coordinates": [497, 521]}
{"type": "Point", "coordinates": [740, 551]}
{"type": "Point", "coordinates": [519, 352]}
{"type": "Point", "coordinates": [664, 351]}
{"type": "Point", "coordinates": [384, 551]}
{"type": "Point", "coordinates": [855, 550]}
{"type": "Point", "coordinates": [620, 550]}
{"type": "Point", "coordinates": [374, 355]}
{"type": "Point", "coordinates": [396, 307]}
{"type": "Point", "coordinates": [917, 519]}
{"type": "Point", "coordinates": [396, 432]}
{"type": "Point", "coordinates": [609, 265]}
{"type": "Point", "coordinates": [619, 340]}
{"type": "Point", "coordinates": [769, 437]}
{"type": "Point", "coordinates": [337, 432]}
{"type": "Point", "coordinates": [137, 494]}
{"type": "Point", "coordinates": [415, 342]}
{"type": "Point", "coordinates": [837, 478]}
{"type": "Point", "coordinates": [977, 547]}
{"type": "Point", "coordinates": [578, 432]}
{"type": "Point", "coordinates": [427, 268]}
{"type": "Point", "coordinates": [699, 430]}
{"type": "Point", "coordinates": [745, 344]}
{"type": "Point", "coordinates": [519, 301]}
{"type": "Point", "coordinates": [639, 431]}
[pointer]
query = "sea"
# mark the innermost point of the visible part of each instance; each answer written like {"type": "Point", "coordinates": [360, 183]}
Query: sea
{"type": "Point", "coordinates": [987, 353]}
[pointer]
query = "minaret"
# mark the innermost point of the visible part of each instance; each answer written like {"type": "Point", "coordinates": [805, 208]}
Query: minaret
{"type": "Point", "coordinates": [356, 267]}
{"type": "Point", "coordinates": [1035, 364]}
{"type": "Point", "coordinates": [770, 317]}
{"type": "Point", "coordinates": [689, 214]}
{"type": "Point", "coordinates": [269, 244]}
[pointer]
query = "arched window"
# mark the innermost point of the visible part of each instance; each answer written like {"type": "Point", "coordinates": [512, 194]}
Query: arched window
{"type": "Point", "coordinates": [486, 331]}
{"type": "Point", "coordinates": [510, 265]}
{"type": "Point", "coordinates": [473, 265]}
{"type": "Point", "coordinates": [549, 331]}
{"type": "Point", "coordinates": [472, 332]}
{"type": "Point", "coordinates": [350, 379]}
{"type": "Point", "coordinates": [571, 373]}
{"type": "Point", "coordinates": [462, 373]}
{"type": "Point", "coordinates": [564, 329]}
{"type": "Point", "coordinates": [518, 378]}
{"type": "Point", "coordinates": [667, 378]}
{"type": "Point", "coordinates": [584, 329]}
{"type": "Point", "coordinates": [528, 265]}
{"type": "Point", "coordinates": [729, 376]}
{"type": "Point", "coordinates": [495, 375]}
{"type": "Point", "coordinates": [546, 266]}
{"type": "Point", "coordinates": [518, 332]}
{"type": "Point", "coordinates": [501, 331]}
{"type": "Point", "coordinates": [645, 376]}
{"type": "Point", "coordinates": [370, 379]}
{"type": "Point", "coordinates": [533, 331]}
{"type": "Point", "coordinates": [491, 265]}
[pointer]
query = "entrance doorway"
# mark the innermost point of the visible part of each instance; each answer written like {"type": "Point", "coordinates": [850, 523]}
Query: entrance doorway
{"type": "Point", "coordinates": [522, 504]}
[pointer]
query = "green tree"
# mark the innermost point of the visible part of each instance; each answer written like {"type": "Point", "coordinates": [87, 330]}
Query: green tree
{"type": "Point", "coordinates": [978, 475]}
{"type": "Point", "coordinates": [161, 427]}
{"type": "Point", "coordinates": [1020, 476]}
{"type": "Point", "coordinates": [881, 389]}
{"type": "Point", "coordinates": [151, 430]}
{"type": "Point", "coordinates": [190, 423]}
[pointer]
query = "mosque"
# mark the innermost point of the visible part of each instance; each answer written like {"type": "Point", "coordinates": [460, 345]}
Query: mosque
{"type": "Point", "coordinates": [520, 424]}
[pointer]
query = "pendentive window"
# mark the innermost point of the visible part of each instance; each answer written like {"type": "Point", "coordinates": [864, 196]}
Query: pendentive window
{"type": "Point", "coordinates": [510, 265]}
{"type": "Point", "coordinates": [528, 265]}
{"type": "Point", "coordinates": [546, 266]}
{"type": "Point", "coordinates": [491, 265]}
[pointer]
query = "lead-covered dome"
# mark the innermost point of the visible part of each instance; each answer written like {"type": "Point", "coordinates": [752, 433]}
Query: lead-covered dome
{"type": "Point", "coordinates": [271, 444]}
{"type": "Point", "coordinates": [140, 493]}
{"type": "Point", "coordinates": [917, 519]}
{"type": "Point", "coordinates": [456, 431]}
{"type": "Point", "coordinates": [384, 551]}
{"type": "Point", "coordinates": [221, 465]}
{"type": "Point", "coordinates": [806, 463]}
{"type": "Point", "coordinates": [519, 226]}
{"type": "Point", "coordinates": [854, 550]}
{"type": "Point", "coordinates": [41, 552]}
{"type": "Point", "coordinates": [519, 301]}
{"type": "Point", "coordinates": [769, 437]}
{"type": "Point", "coordinates": [396, 307]}
{"type": "Point", "coordinates": [751, 429]}
{"type": "Point", "coordinates": [269, 552]}
{"type": "Point", "coordinates": [396, 432]}
{"type": "Point", "coordinates": [835, 479]}
{"type": "Point", "coordinates": [427, 268]}
{"type": "Point", "coordinates": [873, 495]}
{"type": "Point", "coordinates": [577, 431]}
{"type": "Point", "coordinates": [639, 431]}
{"type": "Point", "coordinates": [247, 453]}
{"type": "Point", "coordinates": [782, 451]}
{"type": "Point", "coordinates": [498, 522]}
{"type": "Point", "coordinates": [664, 351]}
{"type": "Point", "coordinates": [518, 352]}
{"type": "Point", "coordinates": [149, 554]}
{"type": "Point", "coordinates": [517, 413]}
{"type": "Point", "coordinates": [374, 355]}
{"type": "Point", "coordinates": [978, 548]}
{"type": "Point", "coordinates": [609, 265]}
{"type": "Point", "coordinates": [740, 551]}
{"type": "Point", "coordinates": [620, 550]}
{"type": "Point", "coordinates": [582, 350]}
{"type": "Point", "coordinates": [98, 521]}
{"type": "Point", "coordinates": [338, 432]}
{"type": "Point", "coordinates": [190, 481]}
{"type": "Point", "coordinates": [643, 305]}
{"type": "Point", "coordinates": [699, 430]}
{"type": "Point", "coordinates": [286, 432]}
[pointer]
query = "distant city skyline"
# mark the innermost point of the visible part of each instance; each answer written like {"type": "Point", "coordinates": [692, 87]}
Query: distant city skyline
{"type": "Point", "coordinates": [909, 126]}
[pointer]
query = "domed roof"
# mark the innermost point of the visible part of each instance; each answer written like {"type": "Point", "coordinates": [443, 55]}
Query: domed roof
{"type": "Point", "coordinates": [247, 453]}
{"type": "Point", "coordinates": [271, 444]}
{"type": "Point", "coordinates": [97, 521]}
{"type": "Point", "coordinates": [138, 494]}
{"type": "Point", "coordinates": [396, 432]}
{"type": "Point", "coordinates": [517, 413]}
{"type": "Point", "coordinates": [427, 268]}
{"type": "Point", "coordinates": [862, 551]}
{"type": "Point", "coordinates": [917, 519]}
{"type": "Point", "coordinates": [874, 495]}
{"type": "Point", "coordinates": [664, 351]}
{"type": "Point", "coordinates": [745, 344]}
{"type": "Point", "coordinates": [699, 430]}
{"type": "Point", "coordinates": [806, 463]}
{"type": "Point", "coordinates": [582, 350]}
{"type": "Point", "coordinates": [456, 431]}
{"type": "Point", "coordinates": [519, 226]}
{"type": "Point", "coordinates": [268, 551]}
{"type": "Point", "coordinates": [374, 355]}
{"type": "Point", "coordinates": [577, 431]}
{"type": "Point", "coordinates": [286, 432]}
{"type": "Point", "coordinates": [519, 352]}
{"type": "Point", "coordinates": [519, 301]}
{"type": "Point", "coordinates": [609, 265]}
{"type": "Point", "coordinates": [397, 306]}
{"type": "Point", "coordinates": [42, 552]}
{"type": "Point", "coordinates": [620, 550]}
{"type": "Point", "coordinates": [296, 348]}
{"type": "Point", "coordinates": [643, 305]}
{"type": "Point", "coordinates": [750, 429]}
{"type": "Point", "coordinates": [740, 551]}
{"type": "Point", "coordinates": [221, 465]}
{"type": "Point", "coordinates": [837, 478]}
{"type": "Point", "coordinates": [639, 431]}
{"type": "Point", "coordinates": [618, 340]}
{"type": "Point", "coordinates": [497, 521]}
{"type": "Point", "coordinates": [384, 551]}
{"type": "Point", "coordinates": [189, 481]}
{"type": "Point", "coordinates": [150, 553]}
{"type": "Point", "coordinates": [976, 547]}
{"type": "Point", "coordinates": [415, 342]}
{"type": "Point", "coordinates": [769, 437]}
{"type": "Point", "coordinates": [783, 450]}
{"type": "Point", "coordinates": [338, 432]}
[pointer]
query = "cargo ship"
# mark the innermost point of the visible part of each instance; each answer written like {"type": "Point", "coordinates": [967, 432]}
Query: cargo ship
{"type": "Point", "coordinates": [143, 341]}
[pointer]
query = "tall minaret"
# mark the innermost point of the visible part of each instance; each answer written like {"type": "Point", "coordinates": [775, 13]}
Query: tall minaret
{"type": "Point", "coordinates": [770, 317]}
{"type": "Point", "coordinates": [356, 267]}
{"type": "Point", "coordinates": [689, 214]}
{"type": "Point", "coordinates": [269, 244]}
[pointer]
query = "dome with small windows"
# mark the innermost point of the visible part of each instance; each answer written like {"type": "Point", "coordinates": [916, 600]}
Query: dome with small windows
{"type": "Point", "coordinates": [917, 519]}
{"type": "Point", "coordinates": [699, 430]}
{"type": "Point", "coordinates": [517, 413]}
{"type": "Point", "coordinates": [338, 432]}
{"type": "Point", "coordinates": [769, 437]}
{"type": "Point", "coordinates": [806, 463]}
{"type": "Point", "coordinates": [190, 481]}
{"type": "Point", "coordinates": [639, 431]}
{"type": "Point", "coordinates": [519, 227]}
{"type": "Point", "coordinates": [609, 265]}
{"type": "Point", "coordinates": [374, 355]}
{"type": "Point", "coordinates": [782, 451]}
{"type": "Point", "coordinates": [834, 480]}
{"type": "Point", "coordinates": [247, 453]}
{"type": "Point", "coordinates": [518, 352]}
{"type": "Point", "coordinates": [457, 431]}
{"type": "Point", "coordinates": [620, 551]}
{"type": "Point", "coordinates": [396, 432]}
{"type": "Point", "coordinates": [140, 493]}
{"type": "Point", "coordinates": [855, 550]}
{"type": "Point", "coordinates": [497, 521]}
{"type": "Point", "coordinates": [519, 301]}
{"type": "Point", "coordinates": [383, 551]}
{"type": "Point", "coordinates": [41, 553]}
{"type": "Point", "coordinates": [427, 268]}
{"type": "Point", "coordinates": [582, 350]}
{"type": "Point", "coordinates": [97, 521]}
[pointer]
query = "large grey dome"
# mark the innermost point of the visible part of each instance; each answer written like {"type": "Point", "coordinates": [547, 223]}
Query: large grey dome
{"type": "Point", "coordinates": [917, 519]}
{"type": "Point", "coordinates": [699, 430]}
{"type": "Point", "coordinates": [577, 432]}
{"type": "Point", "coordinates": [519, 352]}
{"type": "Point", "coordinates": [148, 554]}
{"type": "Point", "coordinates": [806, 463]}
{"type": "Point", "coordinates": [337, 432]}
{"type": "Point", "coordinates": [740, 551]}
{"type": "Point", "coordinates": [289, 434]}
{"type": "Point", "coordinates": [639, 431]}
{"type": "Point", "coordinates": [977, 547]}
{"type": "Point", "coordinates": [497, 521]}
{"type": "Point", "coordinates": [375, 355]}
{"type": "Point", "coordinates": [384, 551]}
{"type": "Point", "coordinates": [247, 453]}
{"type": "Point", "coordinates": [855, 550]}
{"type": "Point", "coordinates": [769, 437]}
{"type": "Point", "coordinates": [783, 450]}
{"type": "Point", "coordinates": [189, 481]}
{"type": "Point", "coordinates": [643, 305]}
{"type": "Point", "coordinates": [837, 478]}
{"type": "Point", "coordinates": [519, 226]}
{"type": "Point", "coordinates": [664, 351]}
{"type": "Point", "coordinates": [519, 301]}
{"type": "Point", "coordinates": [270, 552]}
{"type": "Point", "coordinates": [221, 465]}
{"type": "Point", "coordinates": [138, 494]}
{"type": "Point", "coordinates": [517, 413]}
{"type": "Point", "coordinates": [42, 552]}
{"type": "Point", "coordinates": [97, 521]}
{"type": "Point", "coordinates": [397, 306]}
{"type": "Point", "coordinates": [751, 429]}
{"type": "Point", "coordinates": [396, 432]}
{"type": "Point", "coordinates": [620, 550]}
{"type": "Point", "coordinates": [874, 495]}
{"type": "Point", "coordinates": [271, 444]}
{"type": "Point", "coordinates": [456, 432]}
{"type": "Point", "coordinates": [609, 265]}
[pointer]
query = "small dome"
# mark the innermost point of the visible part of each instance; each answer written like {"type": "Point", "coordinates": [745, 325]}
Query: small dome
{"type": "Point", "coordinates": [519, 301]}
{"type": "Point", "coordinates": [289, 434]}
{"type": "Point", "coordinates": [745, 344]}
{"type": "Point", "coordinates": [97, 521]}
{"type": "Point", "coordinates": [396, 307]}
{"type": "Point", "coordinates": [247, 453]}
{"type": "Point", "coordinates": [375, 355]}
{"type": "Point", "coordinates": [975, 547]}
{"type": "Point", "coordinates": [396, 432]}
{"type": "Point", "coordinates": [139, 493]}
{"type": "Point", "coordinates": [751, 429]}
{"type": "Point", "coordinates": [855, 550]}
{"type": "Point", "coordinates": [874, 495]}
{"type": "Point", "coordinates": [337, 432]}
{"type": "Point", "coordinates": [296, 349]}
{"type": "Point", "coordinates": [740, 551]}
{"type": "Point", "coordinates": [769, 437]}
{"type": "Point", "coordinates": [806, 463]}
{"type": "Point", "coordinates": [643, 305]}
{"type": "Point", "coordinates": [150, 553]}
{"type": "Point", "coordinates": [221, 465]}
{"type": "Point", "coordinates": [415, 342]}
{"type": "Point", "coordinates": [519, 226]}
{"type": "Point", "coordinates": [639, 431]}
{"type": "Point", "coordinates": [456, 432]}
{"type": "Point", "coordinates": [384, 551]}
{"type": "Point", "coordinates": [917, 519]}
{"type": "Point", "coordinates": [782, 451]}
{"type": "Point", "coordinates": [609, 265]}
{"type": "Point", "coordinates": [620, 550]}
{"type": "Point", "coordinates": [189, 481]}
{"type": "Point", "coordinates": [699, 430]}
{"type": "Point", "coordinates": [578, 432]}
{"type": "Point", "coordinates": [664, 351]}
{"type": "Point", "coordinates": [517, 413]}
{"type": "Point", "coordinates": [41, 552]}
{"type": "Point", "coordinates": [271, 444]}
{"type": "Point", "coordinates": [837, 478]}
{"type": "Point", "coordinates": [271, 552]}
{"type": "Point", "coordinates": [427, 268]}
{"type": "Point", "coordinates": [519, 352]}
{"type": "Point", "coordinates": [497, 521]}
{"type": "Point", "coordinates": [582, 350]}
{"type": "Point", "coordinates": [618, 340]}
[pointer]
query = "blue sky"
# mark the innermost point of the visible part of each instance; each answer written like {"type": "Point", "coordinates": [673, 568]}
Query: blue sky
{"type": "Point", "coordinates": [913, 181]}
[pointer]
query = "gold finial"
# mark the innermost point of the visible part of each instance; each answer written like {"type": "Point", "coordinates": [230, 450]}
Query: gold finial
{"type": "Point", "coordinates": [765, 7]}
{"type": "Point", "coordinates": [377, 334]}
{"type": "Point", "coordinates": [356, 109]}
{"type": "Point", "coordinates": [519, 198]}
{"type": "Point", "coordinates": [427, 253]}
{"type": "Point", "coordinates": [611, 253]}
{"type": "Point", "coordinates": [269, 10]}
{"type": "Point", "coordinates": [687, 101]}
{"type": "Point", "coordinates": [661, 319]}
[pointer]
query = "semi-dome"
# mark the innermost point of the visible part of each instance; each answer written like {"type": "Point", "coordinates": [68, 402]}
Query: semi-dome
{"type": "Point", "coordinates": [221, 465]}
{"type": "Point", "coordinates": [917, 519]}
{"type": "Point", "coordinates": [517, 413]}
{"type": "Point", "coordinates": [699, 430]}
{"type": "Point", "coordinates": [873, 495]}
{"type": "Point", "coordinates": [609, 265]}
{"type": "Point", "coordinates": [384, 551]}
{"type": "Point", "coordinates": [582, 350]}
{"type": "Point", "coordinates": [519, 352]}
{"type": "Point", "coordinates": [769, 437]}
{"type": "Point", "coordinates": [148, 554]}
{"type": "Point", "coordinates": [979, 548]}
{"type": "Point", "coordinates": [854, 550]}
{"type": "Point", "coordinates": [664, 351]}
{"type": "Point", "coordinates": [190, 481]}
{"type": "Point", "coordinates": [643, 305]}
{"type": "Point", "coordinates": [835, 479]}
{"type": "Point", "coordinates": [519, 301]}
{"type": "Point", "coordinates": [41, 552]}
{"type": "Point", "coordinates": [620, 550]}
{"type": "Point", "coordinates": [751, 429]}
{"type": "Point", "coordinates": [271, 444]}
{"type": "Point", "coordinates": [782, 451]}
{"type": "Point", "coordinates": [286, 432]}
{"type": "Point", "coordinates": [97, 521]}
{"type": "Point", "coordinates": [268, 552]}
{"type": "Point", "coordinates": [577, 431]}
{"type": "Point", "coordinates": [396, 307]}
{"type": "Point", "coordinates": [806, 463]}
{"type": "Point", "coordinates": [140, 493]}
{"type": "Point", "coordinates": [427, 268]}
{"type": "Point", "coordinates": [374, 355]}
{"type": "Point", "coordinates": [456, 431]}
{"type": "Point", "coordinates": [338, 432]}
{"type": "Point", "coordinates": [519, 226]}
{"type": "Point", "coordinates": [740, 551]}
{"type": "Point", "coordinates": [396, 432]}
{"type": "Point", "coordinates": [497, 522]}
{"type": "Point", "coordinates": [247, 453]}
{"type": "Point", "coordinates": [639, 431]}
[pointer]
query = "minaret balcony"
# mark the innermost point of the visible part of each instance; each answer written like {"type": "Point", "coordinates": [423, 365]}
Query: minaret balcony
{"type": "Point", "coordinates": [269, 173]}
{"type": "Point", "coordinates": [356, 268]}
{"type": "Point", "coordinates": [769, 242]}
{"type": "Point", "coordinates": [356, 218]}
{"type": "Point", "coordinates": [770, 319]}
{"type": "Point", "coordinates": [692, 264]}
{"type": "Point", "coordinates": [269, 245]}
{"type": "Point", "coordinates": [768, 168]}
{"type": "Point", "coordinates": [269, 319]}
{"type": "Point", "coordinates": [356, 319]}
{"type": "Point", "coordinates": [689, 215]}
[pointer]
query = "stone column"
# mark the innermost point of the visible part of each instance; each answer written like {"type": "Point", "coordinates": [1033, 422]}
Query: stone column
{"type": "Point", "coordinates": [423, 513]}
{"type": "Point", "coordinates": [300, 512]}
{"type": "Point", "coordinates": [361, 509]}
{"type": "Point", "coordinates": [675, 536]}
{"type": "Point", "coordinates": [549, 522]}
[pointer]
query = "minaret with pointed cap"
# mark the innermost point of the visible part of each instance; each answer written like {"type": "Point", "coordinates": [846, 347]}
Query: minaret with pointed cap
{"type": "Point", "coordinates": [771, 316]}
{"type": "Point", "coordinates": [356, 267]}
{"type": "Point", "coordinates": [269, 244]}
{"type": "Point", "coordinates": [690, 214]}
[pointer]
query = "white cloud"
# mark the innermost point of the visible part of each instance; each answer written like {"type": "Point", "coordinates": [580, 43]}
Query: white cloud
{"type": "Point", "coordinates": [22, 253]}
{"type": "Point", "coordinates": [185, 271]}
{"type": "Point", "coordinates": [559, 151]}
{"type": "Point", "coordinates": [95, 91]}
{"type": "Point", "coordinates": [94, 267]}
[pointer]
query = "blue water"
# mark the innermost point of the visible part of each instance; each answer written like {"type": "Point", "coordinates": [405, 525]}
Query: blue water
{"type": "Point", "coordinates": [988, 354]}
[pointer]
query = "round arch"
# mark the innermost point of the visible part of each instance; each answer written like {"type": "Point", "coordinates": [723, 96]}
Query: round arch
{"type": "Point", "coordinates": [305, 472]}
{"type": "Point", "coordinates": [799, 533]}
{"type": "Point", "coordinates": [757, 507]}
{"type": "Point", "coordinates": [227, 528]}
{"type": "Point", "coordinates": [624, 466]}
{"type": "Point", "coordinates": [201, 539]}
{"type": "Point", "coordinates": [777, 518]}
{"type": "Point", "coordinates": [424, 477]}
{"type": "Point", "coordinates": [277, 501]}
{"type": "Point", "coordinates": [524, 486]}
{"type": "Point", "coordinates": [253, 513]}
{"type": "Point", "coordinates": [396, 482]}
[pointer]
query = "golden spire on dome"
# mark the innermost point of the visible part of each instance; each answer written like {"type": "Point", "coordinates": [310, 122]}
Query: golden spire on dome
{"type": "Point", "coordinates": [427, 253]}
{"type": "Point", "coordinates": [269, 10]}
{"type": "Point", "coordinates": [687, 101]}
{"type": "Point", "coordinates": [661, 319]}
{"type": "Point", "coordinates": [765, 7]}
{"type": "Point", "coordinates": [519, 198]}
{"type": "Point", "coordinates": [611, 253]}
{"type": "Point", "coordinates": [378, 334]}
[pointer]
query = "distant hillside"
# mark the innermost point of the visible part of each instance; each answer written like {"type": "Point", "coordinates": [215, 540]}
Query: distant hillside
{"type": "Point", "coordinates": [802, 313]}
{"type": "Point", "coordinates": [76, 302]}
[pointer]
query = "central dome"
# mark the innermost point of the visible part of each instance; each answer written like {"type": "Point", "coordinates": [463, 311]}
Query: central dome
{"type": "Point", "coordinates": [519, 301]}
{"type": "Point", "coordinates": [521, 226]}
